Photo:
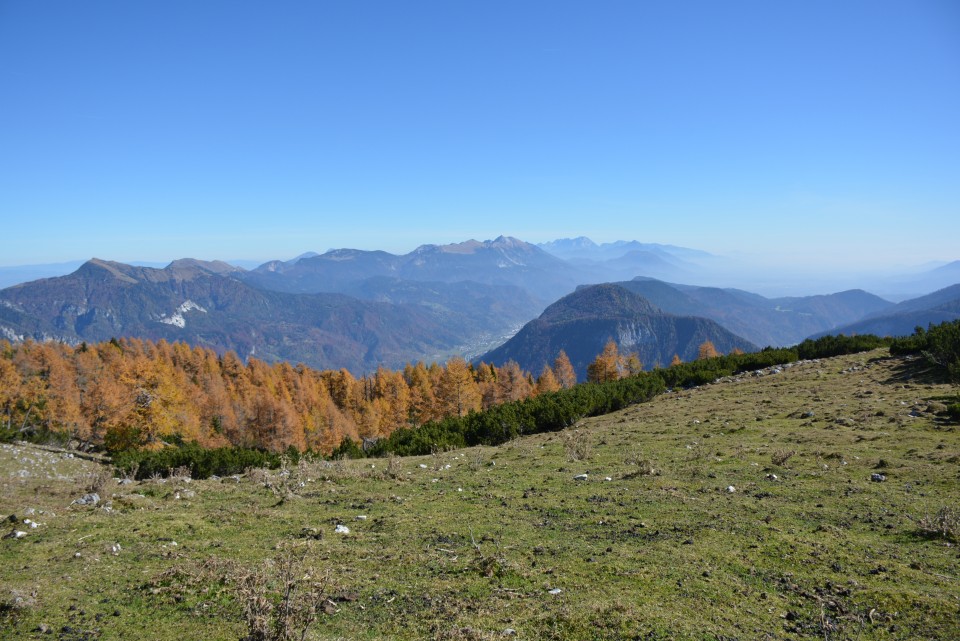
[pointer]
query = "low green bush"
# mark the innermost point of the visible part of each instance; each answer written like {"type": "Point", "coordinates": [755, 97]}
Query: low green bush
{"type": "Point", "coordinates": [202, 463]}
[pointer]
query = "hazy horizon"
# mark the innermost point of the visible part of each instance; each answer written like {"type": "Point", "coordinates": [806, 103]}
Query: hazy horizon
{"type": "Point", "coordinates": [766, 275]}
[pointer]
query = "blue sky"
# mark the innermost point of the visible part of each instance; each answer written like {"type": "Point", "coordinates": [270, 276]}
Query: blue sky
{"type": "Point", "coordinates": [825, 133]}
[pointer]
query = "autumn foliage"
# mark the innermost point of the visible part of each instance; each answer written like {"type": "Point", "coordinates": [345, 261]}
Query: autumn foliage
{"type": "Point", "coordinates": [131, 393]}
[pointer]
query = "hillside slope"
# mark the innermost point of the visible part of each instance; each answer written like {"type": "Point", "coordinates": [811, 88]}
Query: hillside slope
{"type": "Point", "coordinates": [490, 543]}
{"type": "Point", "coordinates": [763, 321]}
{"type": "Point", "coordinates": [201, 304]}
{"type": "Point", "coordinates": [901, 319]}
{"type": "Point", "coordinates": [503, 261]}
{"type": "Point", "coordinates": [581, 323]}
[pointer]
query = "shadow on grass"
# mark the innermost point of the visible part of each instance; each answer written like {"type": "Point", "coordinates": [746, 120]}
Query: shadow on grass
{"type": "Point", "coordinates": [917, 370]}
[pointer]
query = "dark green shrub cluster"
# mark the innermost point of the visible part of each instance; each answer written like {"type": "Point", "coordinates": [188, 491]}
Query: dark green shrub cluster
{"type": "Point", "coordinates": [940, 344]}
{"type": "Point", "coordinates": [828, 346]}
{"type": "Point", "coordinates": [202, 463]}
{"type": "Point", "coordinates": [953, 410]}
{"type": "Point", "coordinates": [543, 413]}
{"type": "Point", "coordinates": [710, 369]}
{"type": "Point", "coordinates": [347, 449]}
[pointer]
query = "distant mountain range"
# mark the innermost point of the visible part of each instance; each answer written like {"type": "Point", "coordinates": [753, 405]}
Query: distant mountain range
{"type": "Point", "coordinates": [504, 261]}
{"type": "Point", "coordinates": [898, 320]}
{"type": "Point", "coordinates": [360, 309]}
{"type": "Point", "coordinates": [763, 321]}
{"type": "Point", "coordinates": [205, 304]}
{"type": "Point", "coordinates": [581, 324]}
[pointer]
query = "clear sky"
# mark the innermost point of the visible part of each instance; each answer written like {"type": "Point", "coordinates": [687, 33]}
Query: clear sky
{"type": "Point", "coordinates": [151, 130]}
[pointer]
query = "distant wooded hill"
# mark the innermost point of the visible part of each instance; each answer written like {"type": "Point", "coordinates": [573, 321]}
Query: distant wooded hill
{"type": "Point", "coordinates": [763, 321]}
{"type": "Point", "coordinates": [581, 323]}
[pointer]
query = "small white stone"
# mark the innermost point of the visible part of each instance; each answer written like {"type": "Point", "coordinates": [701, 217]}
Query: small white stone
{"type": "Point", "coordinates": [361, 517]}
{"type": "Point", "coordinates": [581, 477]}
{"type": "Point", "coordinates": [607, 478]}
{"type": "Point", "coordinates": [342, 529]}
{"type": "Point", "coordinates": [422, 466]}
{"type": "Point", "coordinates": [555, 591]}
{"type": "Point", "coordinates": [731, 489]}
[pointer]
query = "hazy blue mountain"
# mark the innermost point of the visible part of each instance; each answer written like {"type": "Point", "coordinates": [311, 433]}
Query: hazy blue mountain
{"type": "Point", "coordinates": [490, 313]}
{"type": "Point", "coordinates": [901, 319]}
{"type": "Point", "coordinates": [504, 261]}
{"type": "Point", "coordinates": [584, 248]}
{"type": "Point", "coordinates": [582, 323]}
{"type": "Point", "coordinates": [202, 303]}
{"type": "Point", "coordinates": [764, 321]}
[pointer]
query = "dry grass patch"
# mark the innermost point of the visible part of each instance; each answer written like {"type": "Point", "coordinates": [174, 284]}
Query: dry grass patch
{"type": "Point", "coordinates": [577, 445]}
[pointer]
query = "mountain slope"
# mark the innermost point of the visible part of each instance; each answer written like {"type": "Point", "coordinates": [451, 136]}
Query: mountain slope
{"type": "Point", "coordinates": [504, 261]}
{"type": "Point", "coordinates": [193, 301]}
{"type": "Point", "coordinates": [764, 321]}
{"type": "Point", "coordinates": [488, 313]}
{"type": "Point", "coordinates": [582, 322]}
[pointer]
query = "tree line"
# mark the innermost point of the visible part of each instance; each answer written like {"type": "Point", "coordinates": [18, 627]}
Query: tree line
{"type": "Point", "coordinates": [141, 397]}
{"type": "Point", "coordinates": [131, 393]}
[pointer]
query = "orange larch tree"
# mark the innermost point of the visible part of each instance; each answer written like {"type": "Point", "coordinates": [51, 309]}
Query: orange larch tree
{"type": "Point", "coordinates": [563, 370]}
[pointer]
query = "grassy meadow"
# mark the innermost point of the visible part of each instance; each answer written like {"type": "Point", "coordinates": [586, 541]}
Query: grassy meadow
{"type": "Point", "coordinates": [743, 509]}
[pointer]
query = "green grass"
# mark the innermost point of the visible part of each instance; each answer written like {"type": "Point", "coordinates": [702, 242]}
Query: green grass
{"type": "Point", "coordinates": [472, 550]}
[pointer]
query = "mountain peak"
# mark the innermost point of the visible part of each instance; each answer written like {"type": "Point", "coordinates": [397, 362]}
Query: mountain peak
{"type": "Point", "coordinates": [509, 242]}
{"type": "Point", "coordinates": [184, 266]}
{"type": "Point", "coordinates": [98, 267]}
{"type": "Point", "coordinates": [580, 242]}
{"type": "Point", "coordinates": [599, 301]}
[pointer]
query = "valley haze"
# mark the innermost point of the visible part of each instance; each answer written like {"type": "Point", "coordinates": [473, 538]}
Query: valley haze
{"type": "Point", "coordinates": [481, 300]}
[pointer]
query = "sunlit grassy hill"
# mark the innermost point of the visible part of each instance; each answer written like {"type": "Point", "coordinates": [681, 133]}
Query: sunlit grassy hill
{"type": "Point", "coordinates": [743, 509]}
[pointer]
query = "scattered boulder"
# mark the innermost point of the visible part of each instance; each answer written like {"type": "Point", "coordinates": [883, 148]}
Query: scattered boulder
{"type": "Point", "coordinates": [342, 529]}
{"type": "Point", "coordinates": [581, 477]}
{"type": "Point", "coordinates": [731, 489]}
{"type": "Point", "coordinates": [878, 478]}
{"type": "Point", "coordinates": [88, 499]}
